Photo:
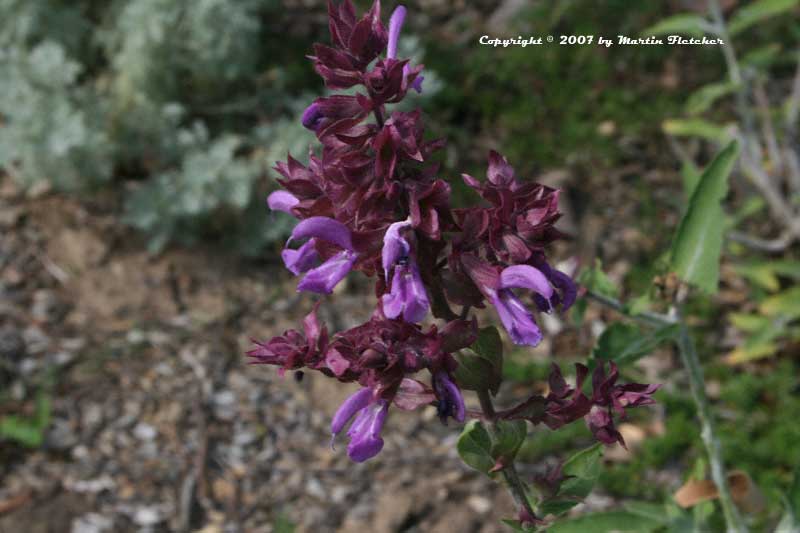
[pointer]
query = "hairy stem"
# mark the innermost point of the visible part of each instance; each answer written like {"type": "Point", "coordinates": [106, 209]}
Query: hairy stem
{"type": "Point", "coordinates": [734, 521]}
{"type": "Point", "coordinates": [514, 483]}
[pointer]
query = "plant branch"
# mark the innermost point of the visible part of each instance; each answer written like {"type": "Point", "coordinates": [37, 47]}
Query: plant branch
{"type": "Point", "coordinates": [691, 362]}
{"type": "Point", "coordinates": [778, 244]}
{"type": "Point", "coordinates": [647, 317]}
{"type": "Point", "coordinates": [515, 485]}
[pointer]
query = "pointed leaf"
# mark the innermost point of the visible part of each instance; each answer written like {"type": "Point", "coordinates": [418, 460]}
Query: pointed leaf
{"type": "Point", "coordinates": [474, 447]}
{"type": "Point", "coordinates": [481, 366]}
{"type": "Point", "coordinates": [703, 98]}
{"type": "Point", "coordinates": [695, 127]}
{"type": "Point", "coordinates": [509, 436]}
{"type": "Point", "coordinates": [627, 343]}
{"type": "Point", "coordinates": [756, 12]}
{"type": "Point", "coordinates": [698, 243]}
{"type": "Point", "coordinates": [584, 467]}
{"type": "Point", "coordinates": [616, 521]}
{"type": "Point", "coordinates": [684, 24]}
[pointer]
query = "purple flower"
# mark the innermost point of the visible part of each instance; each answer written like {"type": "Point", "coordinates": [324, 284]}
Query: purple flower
{"type": "Point", "coordinates": [395, 25]}
{"type": "Point", "coordinates": [370, 415]}
{"type": "Point", "coordinates": [321, 279]}
{"type": "Point", "coordinates": [516, 318]}
{"type": "Point", "coordinates": [301, 260]}
{"type": "Point", "coordinates": [450, 400]}
{"type": "Point", "coordinates": [312, 116]}
{"type": "Point", "coordinates": [513, 314]}
{"type": "Point", "coordinates": [407, 296]}
{"type": "Point", "coordinates": [282, 201]}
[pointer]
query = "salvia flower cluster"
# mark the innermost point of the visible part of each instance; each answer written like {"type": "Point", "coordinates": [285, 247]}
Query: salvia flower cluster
{"type": "Point", "coordinates": [371, 201]}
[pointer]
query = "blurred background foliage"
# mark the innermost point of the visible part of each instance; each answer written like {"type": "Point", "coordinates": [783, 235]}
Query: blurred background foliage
{"type": "Point", "coordinates": [177, 109]}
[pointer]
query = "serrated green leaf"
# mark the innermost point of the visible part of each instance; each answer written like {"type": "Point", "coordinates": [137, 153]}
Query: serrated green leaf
{"type": "Point", "coordinates": [474, 372]}
{"type": "Point", "coordinates": [596, 280]}
{"type": "Point", "coordinates": [697, 245]}
{"type": "Point", "coordinates": [508, 437]}
{"type": "Point", "coordinates": [695, 127]}
{"type": "Point", "coordinates": [627, 343]}
{"type": "Point", "coordinates": [616, 521]}
{"type": "Point", "coordinates": [489, 345]}
{"type": "Point", "coordinates": [557, 507]}
{"type": "Point", "coordinates": [481, 366]}
{"type": "Point", "coordinates": [474, 447]}
{"type": "Point", "coordinates": [704, 97]}
{"type": "Point", "coordinates": [756, 12]}
{"type": "Point", "coordinates": [584, 466]}
{"type": "Point", "coordinates": [683, 24]}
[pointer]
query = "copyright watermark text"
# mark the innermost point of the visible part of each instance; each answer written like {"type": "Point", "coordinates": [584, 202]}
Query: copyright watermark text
{"type": "Point", "coordinates": [619, 40]}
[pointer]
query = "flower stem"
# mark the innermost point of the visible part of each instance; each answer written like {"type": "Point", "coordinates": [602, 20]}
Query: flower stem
{"type": "Point", "coordinates": [514, 483]}
{"type": "Point", "coordinates": [648, 317]}
{"type": "Point", "coordinates": [691, 362]}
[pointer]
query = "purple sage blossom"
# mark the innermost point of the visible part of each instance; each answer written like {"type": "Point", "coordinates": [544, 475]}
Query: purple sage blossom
{"type": "Point", "coordinates": [312, 116]}
{"type": "Point", "coordinates": [323, 278]}
{"type": "Point", "coordinates": [407, 296]}
{"type": "Point", "coordinates": [370, 416]}
{"type": "Point", "coordinates": [450, 400]}
{"type": "Point", "coordinates": [395, 25]}
{"type": "Point", "coordinates": [282, 201]}
{"type": "Point", "coordinates": [513, 314]}
{"type": "Point", "coordinates": [516, 318]}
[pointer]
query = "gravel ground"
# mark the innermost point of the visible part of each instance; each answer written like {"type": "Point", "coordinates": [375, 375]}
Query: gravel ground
{"type": "Point", "coordinates": [158, 423]}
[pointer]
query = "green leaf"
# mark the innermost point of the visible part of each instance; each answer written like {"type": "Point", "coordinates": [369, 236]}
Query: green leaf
{"type": "Point", "coordinates": [761, 274]}
{"type": "Point", "coordinates": [481, 366]}
{"type": "Point", "coordinates": [756, 12]}
{"type": "Point", "coordinates": [26, 432]}
{"type": "Point", "coordinates": [786, 304]}
{"type": "Point", "coordinates": [584, 466]}
{"type": "Point", "coordinates": [655, 511]}
{"type": "Point", "coordinates": [627, 343]}
{"type": "Point", "coordinates": [762, 57]}
{"type": "Point", "coordinates": [749, 323]}
{"type": "Point", "coordinates": [474, 447]}
{"type": "Point", "coordinates": [684, 24]}
{"type": "Point", "coordinates": [698, 242]}
{"type": "Point", "coordinates": [605, 522]}
{"type": "Point", "coordinates": [508, 437]}
{"type": "Point", "coordinates": [690, 173]}
{"type": "Point", "coordinates": [695, 127]}
{"type": "Point", "coordinates": [703, 98]}
{"type": "Point", "coordinates": [597, 281]}
{"type": "Point", "coordinates": [557, 507]}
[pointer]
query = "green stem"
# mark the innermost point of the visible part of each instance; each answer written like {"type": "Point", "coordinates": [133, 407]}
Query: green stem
{"type": "Point", "coordinates": [691, 362]}
{"type": "Point", "coordinates": [648, 317]}
{"type": "Point", "coordinates": [514, 483]}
